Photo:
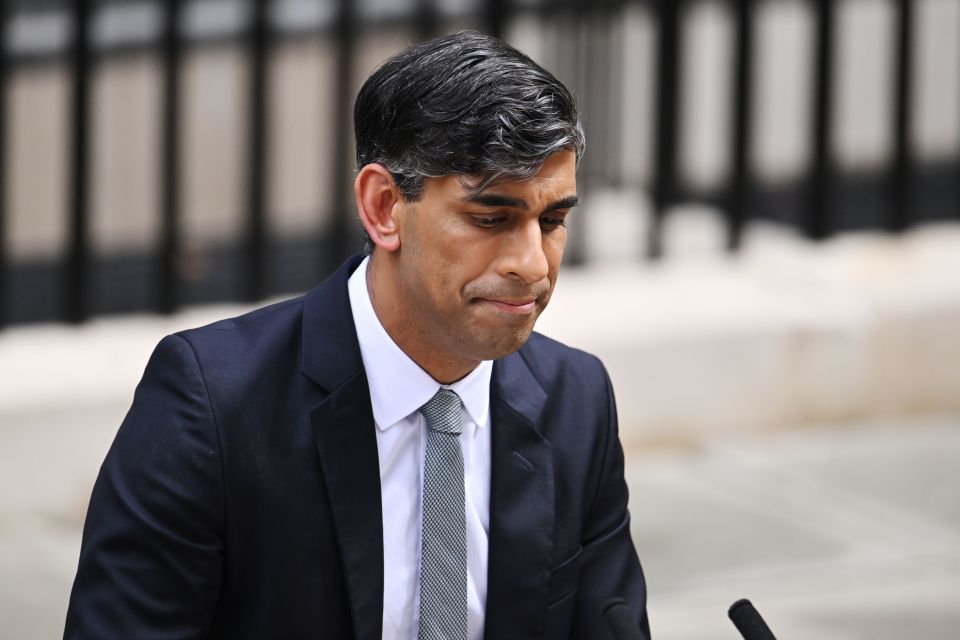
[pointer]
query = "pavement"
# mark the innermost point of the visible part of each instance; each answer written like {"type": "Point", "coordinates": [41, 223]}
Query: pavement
{"type": "Point", "coordinates": [836, 532]}
{"type": "Point", "coordinates": [774, 463]}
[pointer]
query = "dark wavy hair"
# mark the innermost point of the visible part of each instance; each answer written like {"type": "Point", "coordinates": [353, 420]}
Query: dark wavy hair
{"type": "Point", "coordinates": [466, 104]}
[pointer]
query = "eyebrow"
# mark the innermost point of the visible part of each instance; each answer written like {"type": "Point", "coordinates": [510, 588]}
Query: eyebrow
{"type": "Point", "coordinates": [494, 200]}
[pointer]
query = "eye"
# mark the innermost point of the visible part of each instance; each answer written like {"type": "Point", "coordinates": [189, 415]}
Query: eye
{"type": "Point", "coordinates": [553, 222]}
{"type": "Point", "coordinates": [488, 222]}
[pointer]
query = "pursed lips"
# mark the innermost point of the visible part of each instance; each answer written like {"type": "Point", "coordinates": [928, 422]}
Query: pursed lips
{"type": "Point", "coordinates": [512, 305]}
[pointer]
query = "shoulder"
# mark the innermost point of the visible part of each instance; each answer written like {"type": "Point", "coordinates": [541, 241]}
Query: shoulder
{"type": "Point", "coordinates": [248, 326]}
{"type": "Point", "coordinates": [271, 329]}
{"type": "Point", "coordinates": [234, 352]}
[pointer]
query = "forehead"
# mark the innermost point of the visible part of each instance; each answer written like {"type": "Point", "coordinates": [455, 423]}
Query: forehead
{"type": "Point", "coordinates": [556, 179]}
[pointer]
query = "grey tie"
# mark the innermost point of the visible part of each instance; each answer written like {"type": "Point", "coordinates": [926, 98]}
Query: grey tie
{"type": "Point", "coordinates": [443, 557]}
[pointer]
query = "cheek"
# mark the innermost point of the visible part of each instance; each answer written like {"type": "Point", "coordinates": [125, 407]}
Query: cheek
{"type": "Point", "coordinates": [553, 248]}
{"type": "Point", "coordinates": [473, 260]}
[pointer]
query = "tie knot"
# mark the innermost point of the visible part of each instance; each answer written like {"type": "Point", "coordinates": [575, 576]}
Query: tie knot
{"type": "Point", "coordinates": [442, 412]}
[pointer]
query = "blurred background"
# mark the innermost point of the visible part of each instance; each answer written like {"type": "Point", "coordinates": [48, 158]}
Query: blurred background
{"type": "Point", "coordinates": [767, 259]}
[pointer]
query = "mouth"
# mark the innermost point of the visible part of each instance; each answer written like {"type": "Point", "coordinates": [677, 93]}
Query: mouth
{"type": "Point", "coordinates": [513, 306]}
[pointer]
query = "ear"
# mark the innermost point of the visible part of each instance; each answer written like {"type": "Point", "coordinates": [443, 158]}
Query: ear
{"type": "Point", "coordinates": [377, 201]}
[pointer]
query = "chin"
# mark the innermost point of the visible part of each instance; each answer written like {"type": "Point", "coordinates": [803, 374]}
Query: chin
{"type": "Point", "coordinates": [504, 345]}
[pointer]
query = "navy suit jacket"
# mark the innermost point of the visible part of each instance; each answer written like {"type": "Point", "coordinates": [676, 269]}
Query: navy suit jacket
{"type": "Point", "coordinates": [241, 497]}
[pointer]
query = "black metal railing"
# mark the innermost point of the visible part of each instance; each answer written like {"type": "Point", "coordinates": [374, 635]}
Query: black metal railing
{"type": "Point", "coordinates": [582, 27]}
{"type": "Point", "coordinates": [4, 260]}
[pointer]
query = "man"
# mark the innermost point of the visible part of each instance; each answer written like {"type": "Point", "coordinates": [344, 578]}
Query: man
{"type": "Point", "coordinates": [394, 454]}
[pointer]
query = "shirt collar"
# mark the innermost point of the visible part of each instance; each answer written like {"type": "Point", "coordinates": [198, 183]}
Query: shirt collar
{"type": "Point", "coordinates": [398, 386]}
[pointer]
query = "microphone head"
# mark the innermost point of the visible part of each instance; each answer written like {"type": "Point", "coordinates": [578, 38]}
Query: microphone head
{"type": "Point", "coordinates": [748, 621]}
{"type": "Point", "coordinates": [739, 607]}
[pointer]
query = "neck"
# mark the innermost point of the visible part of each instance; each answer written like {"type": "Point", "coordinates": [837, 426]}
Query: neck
{"type": "Point", "coordinates": [388, 303]}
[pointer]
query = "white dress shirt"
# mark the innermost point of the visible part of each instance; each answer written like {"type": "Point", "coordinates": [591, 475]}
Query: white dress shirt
{"type": "Point", "coordinates": [398, 388]}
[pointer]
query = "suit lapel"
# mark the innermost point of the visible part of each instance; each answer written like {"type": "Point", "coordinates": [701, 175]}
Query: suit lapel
{"type": "Point", "coordinates": [521, 505]}
{"type": "Point", "coordinates": [345, 436]}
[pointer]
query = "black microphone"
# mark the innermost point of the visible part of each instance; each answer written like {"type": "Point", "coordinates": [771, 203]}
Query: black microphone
{"type": "Point", "coordinates": [620, 620]}
{"type": "Point", "coordinates": [748, 621]}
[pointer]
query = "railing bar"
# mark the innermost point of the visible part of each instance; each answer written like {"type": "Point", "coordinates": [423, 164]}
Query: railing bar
{"type": "Point", "coordinates": [902, 165]}
{"type": "Point", "coordinates": [668, 88]}
{"type": "Point", "coordinates": [615, 25]}
{"type": "Point", "coordinates": [495, 17]}
{"type": "Point", "coordinates": [254, 284]}
{"type": "Point", "coordinates": [742, 140]}
{"type": "Point", "coordinates": [425, 19]}
{"type": "Point", "coordinates": [594, 80]}
{"type": "Point", "coordinates": [4, 79]}
{"type": "Point", "coordinates": [168, 291]}
{"type": "Point", "coordinates": [339, 240]}
{"type": "Point", "coordinates": [580, 45]}
{"type": "Point", "coordinates": [76, 266]}
{"type": "Point", "coordinates": [816, 223]}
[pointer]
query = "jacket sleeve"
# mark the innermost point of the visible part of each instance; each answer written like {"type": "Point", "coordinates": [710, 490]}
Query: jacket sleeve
{"type": "Point", "coordinates": [609, 564]}
{"type": "Point", "coordinates": [152, 551]}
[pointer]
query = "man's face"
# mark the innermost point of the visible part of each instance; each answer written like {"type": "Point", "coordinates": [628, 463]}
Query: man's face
{"type": "Point", "coordinates": [475, 270]}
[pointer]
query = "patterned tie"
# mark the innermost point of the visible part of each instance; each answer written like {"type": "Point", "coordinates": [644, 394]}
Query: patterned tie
{"type": "Point", "coordinates": [443, 557]}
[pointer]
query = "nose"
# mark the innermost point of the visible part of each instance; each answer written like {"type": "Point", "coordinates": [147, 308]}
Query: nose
{"type": "Point", "coordinates": [524, 258]}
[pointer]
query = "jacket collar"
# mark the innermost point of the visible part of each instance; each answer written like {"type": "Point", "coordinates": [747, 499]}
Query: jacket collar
{"type": "Point", "coordinates": [330, 353]}
{"type": "Point", "coordinates": [345, 438]}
